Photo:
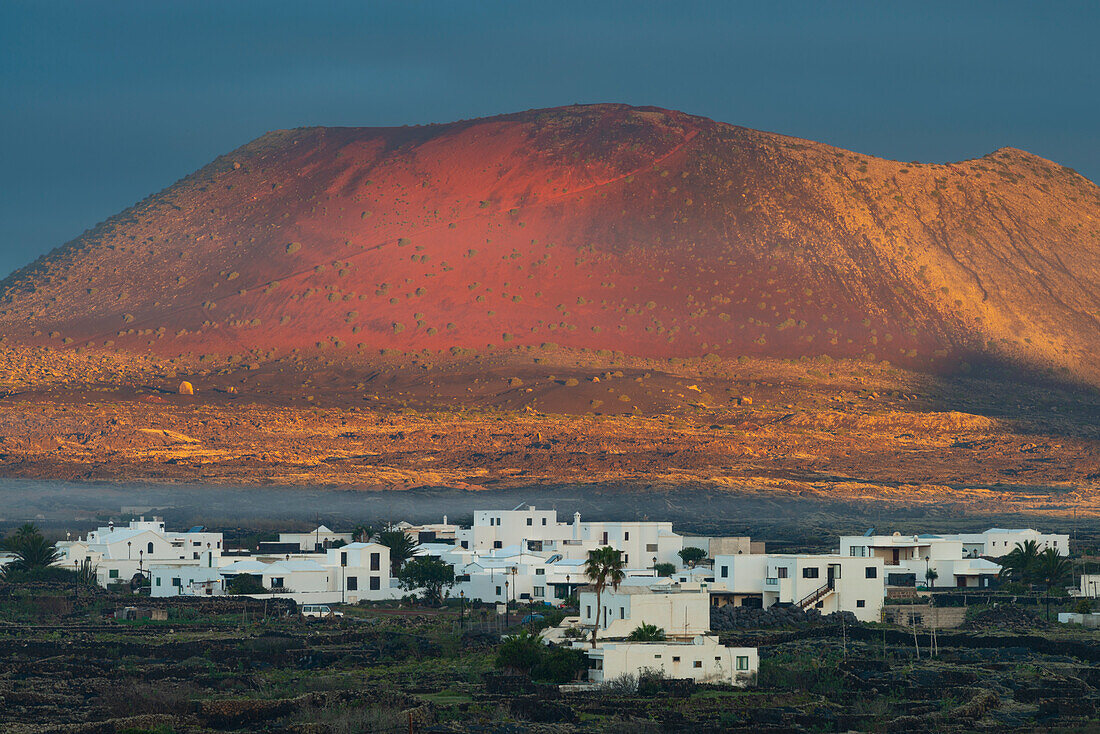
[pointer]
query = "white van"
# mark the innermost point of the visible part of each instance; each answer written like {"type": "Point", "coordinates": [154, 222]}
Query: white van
{"type": "Point", "coordinates": [319, 610]}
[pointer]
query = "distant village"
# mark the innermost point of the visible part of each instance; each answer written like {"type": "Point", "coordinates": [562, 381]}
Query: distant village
{"type": "Point", "coordinates": [645, 597]}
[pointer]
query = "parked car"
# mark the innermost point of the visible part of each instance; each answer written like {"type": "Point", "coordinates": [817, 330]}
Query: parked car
{"type": "Point", "coordinates": [319, 611]}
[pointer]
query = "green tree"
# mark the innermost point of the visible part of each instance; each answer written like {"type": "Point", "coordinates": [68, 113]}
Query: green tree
{"type": "Point", "coordinates": [519, 653]}
{"type": "Point", "coordinates": [930, 576]}
{"type": "Point", "coordinates": [604, 567]}
{"type": "Point", "coordinates": [559, 665]}
{"type": "Point", "coordinates": [647, 633]}
{"type": "Point", "coordinates": [691, 556]}
{"type": "Point", "coordinates": [402, 547]}
{"type": "Point", "coordinates": [430, 575]}
{"type": "Point", "coordinates": [244, 583]}
{"type": "Point", "coordinates": [664, 569]}
{"type": "Point", "coordinates": [1019, 564]}
{"type": "Point", "coordinates": [362, 533]}
{"type": "Point", "coordinates": [32, 551]}
{"type": "Point", "coordinates": [1051, 570]}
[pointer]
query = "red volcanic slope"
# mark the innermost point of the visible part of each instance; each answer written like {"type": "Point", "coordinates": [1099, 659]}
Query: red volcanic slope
{"type": "Point", "coordinates": [605, 227]}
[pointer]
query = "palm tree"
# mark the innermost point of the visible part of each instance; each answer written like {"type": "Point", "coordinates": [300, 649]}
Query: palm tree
{"type": "Point", "coordinates": [647, 633]}
{"type": "Point", "coordinates": [402, 547]}
{"type": "Point", "coordinates": [930, 576]}
{"type": "Point", "coordinates": [22, 534]}
{"type": "Point", "coordinates": [362, 533]}
{"type": "Point", "coordinates": [1019, 564]}
{"type": "Point", "coordinates": [1051, 570]}
{"type": "Point", "coordinates": [604, 566]}
{"type": "Point", "coordinates": [33, 552]}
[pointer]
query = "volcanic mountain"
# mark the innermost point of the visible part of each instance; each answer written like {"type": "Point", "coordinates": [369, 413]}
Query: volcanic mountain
{"type": "Point", "coordinates": [606, 227]}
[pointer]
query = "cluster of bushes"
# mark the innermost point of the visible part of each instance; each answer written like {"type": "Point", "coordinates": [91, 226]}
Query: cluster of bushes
{"type": "Point", "coordinates": [525, 654]}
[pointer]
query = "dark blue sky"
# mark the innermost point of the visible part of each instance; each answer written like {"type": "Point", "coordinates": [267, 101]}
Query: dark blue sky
{"type": "Point", "coordinates": [102, 103]}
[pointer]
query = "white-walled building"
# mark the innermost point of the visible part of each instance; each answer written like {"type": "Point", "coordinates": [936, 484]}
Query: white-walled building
{"type": "Point", "coordinates": [958, 560]}
{"type": "Point", "coordinates": [351, 573]}
{"type": "Point", "coordinates": [681, 611]}
{"type": "Point", "coordinates": [642, 543]}
{"type": "Point", "coordinates": [702, 659]}
{"type": "Point", "coordinates": [829, 583]}
{"type": "Point", "coordinates": [118, 553]}
{"type": "Point", "coordinates": [315, 541]}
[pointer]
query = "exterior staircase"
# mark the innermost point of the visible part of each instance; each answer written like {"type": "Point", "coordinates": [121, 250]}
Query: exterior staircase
{"type": "Point", "coordinates": [815, 596]}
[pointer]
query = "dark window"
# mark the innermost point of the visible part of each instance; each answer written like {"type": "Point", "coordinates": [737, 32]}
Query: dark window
{"type": "Point", "coordinates": [353, 583]}
{"type": "Point", "coordinates": [375, 583]}
{"type": "Point", "coordinates": [724, 571]}
{"type": "Point", "coordinates": [530, 521]}
{"type": "Point", "coordinates": [626, 535]}
{"type": "Point", "coordinates": [781, 572]}
{"type": "Point", "coordinates": [343, 558]}
{"type": "Point", "coordinates": [375, 561]}
{"type": "Point", "coordinates": [697, 664]}
{"type": "Point", "coordinates": [622, 612]}
{"type": "Point", "coordinates": [811, 573]}
{"type": "Point", "coordinates": [498, 544]}
{"type": "Point", "coordinates": [113, 573]}
{"type": "Point", "coordinates": [498, 591]}
{"type": "Point", "coordinates": [544, 521]}
{"type": "Point", "coordinates": [860, 603]}
{"type": "Point", "coordinates": [466, 544]}
{"type": "Point", "coordinates": [149, 547]}
{"type": "Point", "coordinates": [195, 555]}
{"type": "Point", "coordinates": [175, 581]}
{"type": "Point", "coordinates": [650, 547]}
{"type": "Point", "coordinates": [276, 582]}
{"type": "Point", "coordinates": [872, 572]}
{"type": "Point", "coordinates": [675, 658]}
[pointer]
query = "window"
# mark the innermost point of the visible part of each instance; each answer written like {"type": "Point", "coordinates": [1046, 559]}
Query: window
{"type": "Point", "coordinates": [871, 572]}
{"type": "Point", "coordinates": [622, 612]}
{"type": "Point", "coordinates": [811, 573]}
{"type": "Point", "coordinates": [544, 521]}
{"type": "Point", "coordinates": [650, 547]}
{"type": "Point", "coordinates": [742, 662]}
{"type": "Point", "coordinates": [540, 571]}
{"type": "Point", "coordinates": [675, 658]}
{"type": "Point", "coordinates": [626, 558]}
{"type": "Point", "coordinates": [587, 610]}
{"type": "Point", "coordinates": [113, 573]}
{"type": "Point", "coordinates": [530, 521]}
{"type": "Point", "coordinates": [375, 561]}
{"type": "Point", "coordinates": [498, 544]}
{"type": "Point", "coordinates": [781, 572]}
{"type": "Point", "coordinates": [697, 664]}
{"type": "Point", "coordinates": [343, 558]}
{"type": "Point", "coordinates": [177, 582]}
{"type": "Point", "coordinates": [626, 535]}
{"type": "Point", "coordinates": [375, 583]}
{"type": "Point", "coordinates": [860, 603]}
{"type": "Point", "coordinates": [149, 547]}
{"type": "Point", "coordinates": [859, 551]}
{"type": "Point", "coordinates": [466, 544]}
{"type": "Point", "coordinates": [196, 543]}
{"type": "Point", "coordinates": [724, 571]}
{"type": "Point", "coordinates": [498, 591]}
{"type": "Point", "coordinates": [540, 591]}
{"type": "Point", "coordinates": [157, 580]}
{"type": "Point", "coordinates": [353, 583]}
{"type": "Point", "coordinates": [276, 582]}
{"type": "Point", "coordinates": [195, 555]}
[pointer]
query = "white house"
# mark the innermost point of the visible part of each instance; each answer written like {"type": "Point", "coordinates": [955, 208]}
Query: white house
{"type": "Point", "coordinates": [642, 543]}
{"type": "Point", "coordinates": [118, 553]}
{"type": "Point", "coordinates": [315, 541]}
{"type": "Point", "coordinates": [702, 659]}
{"type": "Point", "coordinates": [682, 612]}
{"type": "Point", "coordinates": [351, 573]}
{"type": "Point", "coordinates": [829, 583]}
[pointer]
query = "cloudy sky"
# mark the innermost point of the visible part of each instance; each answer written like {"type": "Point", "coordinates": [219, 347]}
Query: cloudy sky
{"type": "Point", "coordinates": [102, 103]}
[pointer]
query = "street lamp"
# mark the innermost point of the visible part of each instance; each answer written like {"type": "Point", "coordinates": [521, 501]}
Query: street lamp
{"type": "Point", "coordinates": [462, 609]}
{"type": "Point", "coordinates": [127, 550]}
{"type": "Point", "coordinates": [507, 610]}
